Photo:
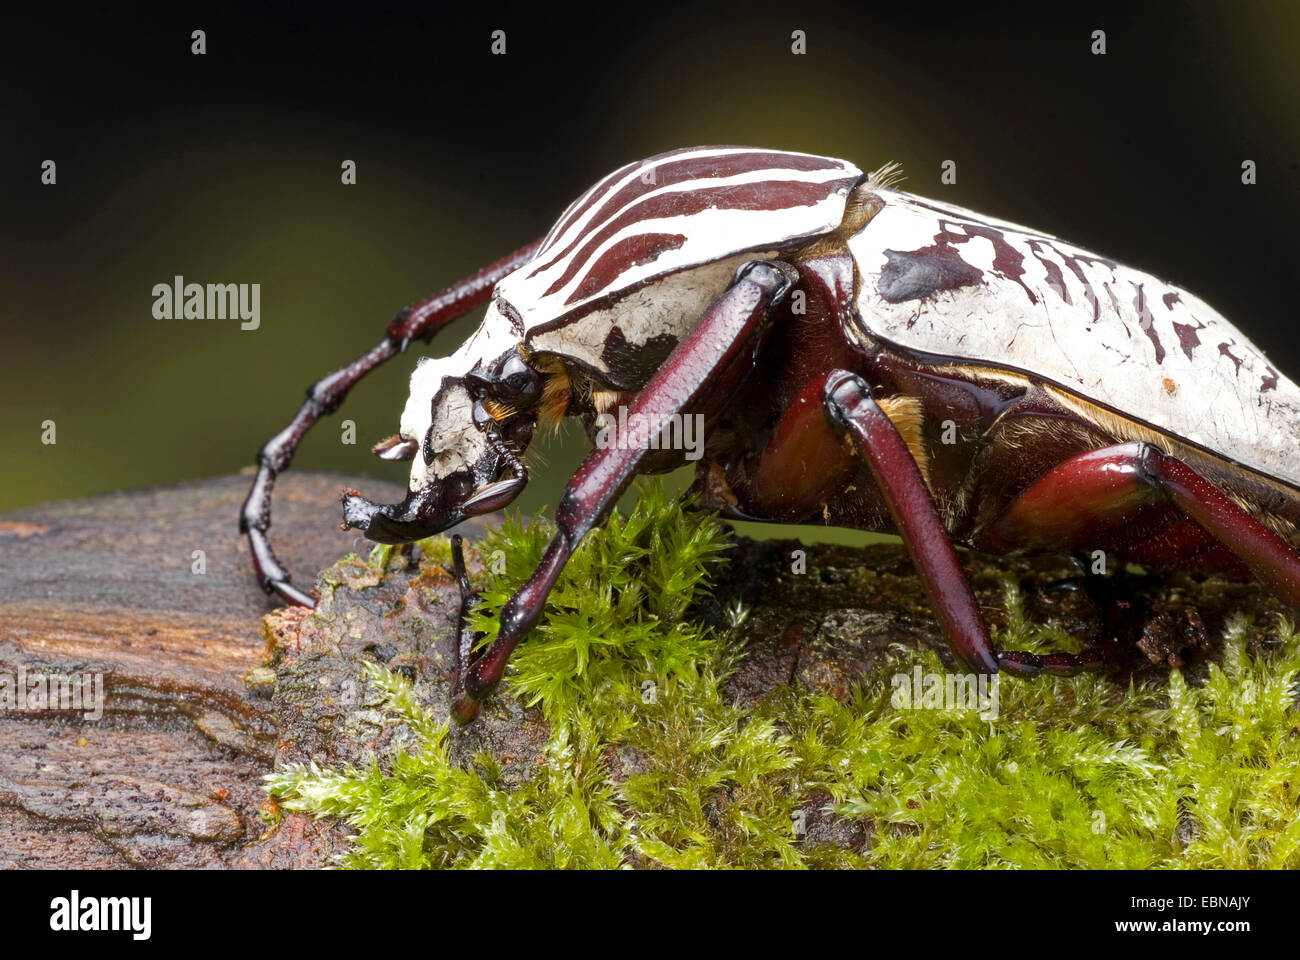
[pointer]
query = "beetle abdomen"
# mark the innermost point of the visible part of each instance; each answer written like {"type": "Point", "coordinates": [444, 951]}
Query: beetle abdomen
{"type": "Point", "coordinates": [942, 280]}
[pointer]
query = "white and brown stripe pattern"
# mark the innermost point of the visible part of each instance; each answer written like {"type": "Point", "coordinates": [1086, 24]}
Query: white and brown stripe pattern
{"type": "Point", "coordinates": [673, 212]}
{"type": "Point", "coordinates": [683, 220]}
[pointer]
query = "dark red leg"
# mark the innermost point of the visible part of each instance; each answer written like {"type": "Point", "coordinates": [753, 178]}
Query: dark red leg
{"type": "Point", "coordinates": [464, 636]}
{"type": "Point", "coordinates": [703, 370]}
{"type": "Point", "coordinates": [1106, 493]}
{"type": "Point", "coordinates": [418, 321]}
{"type": "Point", "coordinates": [849, 403]}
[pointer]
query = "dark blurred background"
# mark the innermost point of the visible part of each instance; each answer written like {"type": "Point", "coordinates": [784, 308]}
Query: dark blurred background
{"type": "Point", "coordinates": [225, 168]}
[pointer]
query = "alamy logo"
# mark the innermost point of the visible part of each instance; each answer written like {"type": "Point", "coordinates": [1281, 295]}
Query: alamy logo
{"type": "Point", "coordinates": [676, 431]}
{"type": "Point", "coordinates": [23, 691]}
{"type": "Point", "coordinates": [976, 692]}
{"type": "Point", "coordinates": [75, 912]}
{"type": "Point", "coordinates": [179, 300]}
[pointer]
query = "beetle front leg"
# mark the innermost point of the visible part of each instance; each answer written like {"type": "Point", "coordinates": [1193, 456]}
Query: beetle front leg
{"type": "Point", "coordinates": [703, 370]}
{"type": "Point", "coordinates": [419, 321]}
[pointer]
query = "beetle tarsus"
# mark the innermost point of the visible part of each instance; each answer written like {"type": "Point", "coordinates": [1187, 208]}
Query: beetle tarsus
{"type": "Point", "coordinates": [464, 707]}
{"type": "Point", "coordinates": [492, 497]}
{"type": "Point", "coordinates": [1021, 663]}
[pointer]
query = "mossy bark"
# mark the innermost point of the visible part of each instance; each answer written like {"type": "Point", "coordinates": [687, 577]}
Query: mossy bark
{"type": "Point", "coordinates": [203, 696]}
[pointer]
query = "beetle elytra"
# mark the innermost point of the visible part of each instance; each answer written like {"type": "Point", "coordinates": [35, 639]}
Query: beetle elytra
{"type": "Point", "coordinates": [861, 357]}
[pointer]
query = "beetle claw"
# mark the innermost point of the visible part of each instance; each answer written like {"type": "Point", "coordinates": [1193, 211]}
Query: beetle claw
{"type": "Point", "coordinates": [493, 496]}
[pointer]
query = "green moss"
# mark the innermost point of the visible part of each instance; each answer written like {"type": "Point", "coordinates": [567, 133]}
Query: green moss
{"type": "Point", "coordinates": [648, 763]}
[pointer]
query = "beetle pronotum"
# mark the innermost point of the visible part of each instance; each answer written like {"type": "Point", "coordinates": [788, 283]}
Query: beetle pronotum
{"type": "Point", "coordinates": [834, 332]}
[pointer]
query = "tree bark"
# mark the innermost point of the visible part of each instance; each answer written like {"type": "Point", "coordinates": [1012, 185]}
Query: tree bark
{"type": "Point", "coordinates": [109, 586]}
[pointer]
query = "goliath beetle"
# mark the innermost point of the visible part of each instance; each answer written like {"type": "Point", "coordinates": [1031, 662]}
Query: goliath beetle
{"type": "Point", "coordinates": [862, 357]}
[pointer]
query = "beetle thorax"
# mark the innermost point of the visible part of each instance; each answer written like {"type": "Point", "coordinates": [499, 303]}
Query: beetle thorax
{"type": "Point", "coordinates": [636, 259]}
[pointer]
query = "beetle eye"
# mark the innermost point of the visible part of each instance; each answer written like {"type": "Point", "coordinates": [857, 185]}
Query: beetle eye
{"type": "Point", "coordinates": [522, 385]}
{"type": "Point", "coordinates": [517, 380]}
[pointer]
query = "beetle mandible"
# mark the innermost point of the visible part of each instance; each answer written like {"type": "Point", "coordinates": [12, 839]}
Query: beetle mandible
{"type": "Point", "coordinates": [861, 357]}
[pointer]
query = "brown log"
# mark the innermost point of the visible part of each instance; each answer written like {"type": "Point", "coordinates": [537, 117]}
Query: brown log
{"type": "Point", "coordinates": [204, 692]}
{"type": "Point", "coordinates": [170, 775]}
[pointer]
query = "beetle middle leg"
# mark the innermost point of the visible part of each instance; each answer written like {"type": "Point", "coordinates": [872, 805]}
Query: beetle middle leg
{"type": "Point", "coordinates": [849, 403]}
{"type": "Point", "coordinates": [702, 372]}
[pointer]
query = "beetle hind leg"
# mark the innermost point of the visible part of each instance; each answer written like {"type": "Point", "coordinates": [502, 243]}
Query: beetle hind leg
{"type": "Point", "coordinates": [1155, 507]}
{"type": "Point", "coordinates": [1132, 490]}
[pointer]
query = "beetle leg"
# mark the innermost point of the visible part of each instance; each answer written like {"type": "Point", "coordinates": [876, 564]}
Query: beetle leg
{"type": "Point", "coordinates": [1105, 487]}
{"type": "Point", "coordinates": [464, 636]}
{"type": "Point", "coordinates": [418, 321]}
{"type": "Point", "coordinates": [703, 370]}
{"type": "Point", "coordinates": [849, 403]}
{"type": "Point", "coordinates": [1111, 488]}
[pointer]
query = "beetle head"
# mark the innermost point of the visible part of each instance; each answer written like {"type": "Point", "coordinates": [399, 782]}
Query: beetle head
{"type": "Point", "coordinates": [466, 421]}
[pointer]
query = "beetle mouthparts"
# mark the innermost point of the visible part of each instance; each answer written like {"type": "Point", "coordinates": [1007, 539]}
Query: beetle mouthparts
{"type": "Point", "coordinates": [395, 448]}
{"type": "Point", "coordinates": [357, 510]}
{"type": "Point", "coordinates": [392, 522]}
{"type": "Point", "coordinates": [493, 496]}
